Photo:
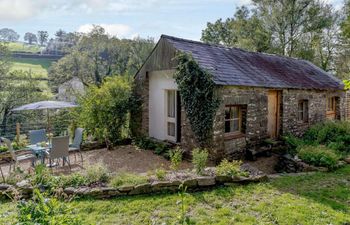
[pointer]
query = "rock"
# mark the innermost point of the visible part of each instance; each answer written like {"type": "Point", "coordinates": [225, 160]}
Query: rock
{"type": "Point", "coordinates": [190, 183]}
{"type": "Point", "coordinates": [223, 179]}
{"type": "Point", "coordinates": [165, 186]}
{"type": "Point", "coordinates": [82, 190]}
{"type": "Point", "coordinates": [4, 187]}
{"type": "Point", "coordinates": [69, 190]}
{"type": "Point", "coordinates": [206, 181]}
{"type": "Point", "coordinates": [347, 160]}
{"type": "Point", "coordinates": [94, 192]}
{"type": "Point", "coordinates": [125, 188]}
{"type": "Point", "coordinates": [141, 189]}
{"type": "Point", "coordinates": [23, 184]}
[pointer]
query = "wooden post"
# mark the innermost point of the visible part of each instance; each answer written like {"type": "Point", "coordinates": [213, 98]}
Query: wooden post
{"type": "Point", "coordinates": [18, 131]}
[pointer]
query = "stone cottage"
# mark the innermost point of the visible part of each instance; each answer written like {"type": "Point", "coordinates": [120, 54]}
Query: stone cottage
{"type": "Point", "coordinates": [261, 96]}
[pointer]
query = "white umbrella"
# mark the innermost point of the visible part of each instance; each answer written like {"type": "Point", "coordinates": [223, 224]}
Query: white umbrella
{"type": "Point", "coordinates": [46, 105]}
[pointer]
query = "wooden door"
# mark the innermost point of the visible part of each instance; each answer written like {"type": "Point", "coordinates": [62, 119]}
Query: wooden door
{"type": "Point", "coordinates": [273, 103]}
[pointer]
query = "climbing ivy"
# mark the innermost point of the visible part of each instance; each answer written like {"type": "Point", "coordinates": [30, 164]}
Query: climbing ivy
{"type": "Point", "coordinates": [196, 88]}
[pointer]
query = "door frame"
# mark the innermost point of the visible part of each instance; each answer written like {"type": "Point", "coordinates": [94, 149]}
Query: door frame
{"type": "Point", "coordinates": [170, 119]}
{"type": "Point", "coordinates": [274, 134]}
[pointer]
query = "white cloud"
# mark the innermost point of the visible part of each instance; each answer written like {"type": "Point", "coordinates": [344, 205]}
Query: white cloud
{"type": "Point", "coordinates": [11, 10]}
{"type": "Point", "coordinates": [119, 30]}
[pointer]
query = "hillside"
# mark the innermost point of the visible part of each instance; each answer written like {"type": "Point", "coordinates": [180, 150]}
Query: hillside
{"type": "Point", "coordinates": [23, 47]}
{"type": "Point", "coordinates": [38, 67]}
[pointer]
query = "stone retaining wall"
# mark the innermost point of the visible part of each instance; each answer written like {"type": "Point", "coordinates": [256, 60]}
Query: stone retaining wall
{"type": "Point", "coordinates": [194, 184]}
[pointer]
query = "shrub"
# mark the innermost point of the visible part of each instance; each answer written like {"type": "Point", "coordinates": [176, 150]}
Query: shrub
{"type": "Point", "coordinates": [103, 110]}
{"type": "Point", "coordinates": [199, 159]}
{"type": "Point", "coordinates": [20, 143]}
{"type": "Point", "coordinates": [160, 174]}
{"type": "Point", "coordinates": [318, 156]}
{"type": "Point", "coordinates": [72, 180]}
{"type": "Point", "coordinates": [175, 158]}
{"type": "Point", "coordinates": [42, 177]}
{"type": "Point", "coordinates": [149, 144]}
{"type": "Point", "coordinates": [40, 210]}
{"type": "Point", "coordinates": [3, 148]}
{"type": "Point", "coordinates": [226, 168]}
{"type": "Point", "coordinates": [97, 173]}
{"type": "Point", "coordinates": [126, 179]}
{"type": "Point", "coordinates": [292, 143]}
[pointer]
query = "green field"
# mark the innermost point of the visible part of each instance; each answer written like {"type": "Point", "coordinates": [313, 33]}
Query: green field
{"type": "Point", "coordinates": [38, 67]}
{"type": "Point", "coordinates": [23, 47]}
{"type": "Point", "coordinates": [321, 198]}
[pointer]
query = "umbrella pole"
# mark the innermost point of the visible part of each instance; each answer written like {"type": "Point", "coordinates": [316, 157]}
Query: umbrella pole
{"type": "Point", "coordinates": [48, 125]}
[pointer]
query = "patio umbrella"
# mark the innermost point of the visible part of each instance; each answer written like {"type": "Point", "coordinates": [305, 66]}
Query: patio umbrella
{"type": "Point", "coordinates": [42, 105]}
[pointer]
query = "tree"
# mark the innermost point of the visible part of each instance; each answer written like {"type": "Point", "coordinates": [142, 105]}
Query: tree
{"type": "Point", "coordinates": [30, 37]}
{"type": "Point", "coordinates": [103, 110]}
{"type": "Point", "coordinates": [60, 35]}
{"type": "Point", "coordinates": [7, 34]}
{"type": "Point", "coordinates": [345, 26]}
{"type": "Point", "coordinates": [42, 37]}
{"type": "Point", "coordinates": [306, 29]}
{"type": "Point", "coordinates": [244, 30]}
{"type": "Point", "coordinates": [96, 55]}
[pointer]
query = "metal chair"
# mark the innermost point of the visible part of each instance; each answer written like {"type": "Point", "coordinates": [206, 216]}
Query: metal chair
{"type": "Point", "coordinates": [37, 136]}
{"type": "Point", "coordinates": [16, 158]}
{"type": "Point", "coordinates": [59, 149]}
{"type": "Point", "coordinates": [77, 141]}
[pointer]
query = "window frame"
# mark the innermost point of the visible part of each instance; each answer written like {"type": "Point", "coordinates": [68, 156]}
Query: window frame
{"type": "Point", "coordinates": [238, 132]}
{"type": "Point", "coordinates": [303, 111]}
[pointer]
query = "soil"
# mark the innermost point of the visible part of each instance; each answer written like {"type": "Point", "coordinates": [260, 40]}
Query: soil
{"type": "Point", "coordinates": [265, 164]}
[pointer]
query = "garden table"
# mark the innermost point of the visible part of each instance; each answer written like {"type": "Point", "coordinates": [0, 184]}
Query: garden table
{"type": "Point", "coordinates": [39, 151]}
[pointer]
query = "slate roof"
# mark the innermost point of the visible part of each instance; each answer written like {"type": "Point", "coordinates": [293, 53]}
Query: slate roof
{"type": "Point", "coordinates": [233, 66]}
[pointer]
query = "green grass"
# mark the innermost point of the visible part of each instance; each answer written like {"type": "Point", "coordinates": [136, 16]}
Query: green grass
{"type": "Point", "coordinates": [38, 67]}
{"type": "Point", "coordinates": [23, 47]}
{"type": "Point", "coordinates": [322, 198]}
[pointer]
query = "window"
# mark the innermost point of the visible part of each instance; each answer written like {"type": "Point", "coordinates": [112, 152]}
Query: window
{"type": "Point", "coordinates": [303, 111]}
{"type": "Point", "coordinates": [234, 116]}
{"type": "Point", "coordinates": [331, 101]}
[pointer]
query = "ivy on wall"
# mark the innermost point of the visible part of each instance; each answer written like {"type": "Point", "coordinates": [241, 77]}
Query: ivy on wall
{"type": "Point", "coordinates": [197, 90]}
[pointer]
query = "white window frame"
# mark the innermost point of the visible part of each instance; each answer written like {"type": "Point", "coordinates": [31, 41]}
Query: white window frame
{"type": "Point", "coordinates": [170, 119]}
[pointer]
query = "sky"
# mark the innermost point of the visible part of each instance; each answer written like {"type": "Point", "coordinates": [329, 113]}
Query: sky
{"type": "Point", "coordinates": [123, 18]}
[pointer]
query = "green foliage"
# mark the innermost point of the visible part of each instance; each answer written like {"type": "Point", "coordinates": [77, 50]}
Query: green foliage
{"type": "Point", "coordinates": [45, 211]}
{"type": "Point", "coordinates": [175, 158]}
{"type": "Point", "coordinates": [292, 143]}
{"type": "Point", "coordinates": [199, 159]}
{"type": "Point", "coordinates": [42, 176]}
{"type": "Point", "coordinates": [97, 173]}
{"type": "Point", "coordinates": [334, 134]}
{"type": "Point", "coordinates": [184, 219]}
{"type": "Point", "coordinates": [20, 143]}
{"type": "Point", "coordinates": [103, 110]}
{"type": "Point", "coordinates": [197, 93]}
{"type": "Point", "coordinates": [226, 168]}
{"type": "Point", "coordinates": [147, 143]}
{"type": "Point", "coordinates": [3, 148]}
{"type": "Point", "coordinates": [319, 156]}
{"type": "Point", "coordinates": [160, 174]}
{"type": "Point", "coordinates": [72, 180]}
{"type": "Point", "coordinates": [126, 179]}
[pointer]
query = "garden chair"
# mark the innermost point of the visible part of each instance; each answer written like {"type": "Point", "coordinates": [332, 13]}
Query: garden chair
{"type": "Point", "coordinates": [37, 136]}
{"type": "Point", "coordinates": [15, 159]}
{"type": "Point", "coordinates": [59, 150]}
{"type": "Point", "coordinates": [75, 147]}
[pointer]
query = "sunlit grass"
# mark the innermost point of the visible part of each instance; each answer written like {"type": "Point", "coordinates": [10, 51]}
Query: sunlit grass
{"type": "Point", "coordinates": [322, 198]}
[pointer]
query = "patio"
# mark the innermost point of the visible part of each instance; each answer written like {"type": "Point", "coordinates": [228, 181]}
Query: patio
{"type": "Point", "coordinates": [126, 158]}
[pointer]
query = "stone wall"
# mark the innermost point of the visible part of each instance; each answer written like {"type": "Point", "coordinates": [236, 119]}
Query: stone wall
{"type": "Point", "coordinates": [317, 108]}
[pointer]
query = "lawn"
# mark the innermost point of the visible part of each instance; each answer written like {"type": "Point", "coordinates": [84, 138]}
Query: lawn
{"type": "Point", "coordinates": [322, 198]}
{"type": "Point", "coordinates": [23, 47]}
{"type": "Point", "coordinates": [38, 67]}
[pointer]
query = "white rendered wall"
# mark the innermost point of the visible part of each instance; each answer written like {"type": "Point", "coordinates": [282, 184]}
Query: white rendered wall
{"type": "Point", "coordinates": [159, 82]}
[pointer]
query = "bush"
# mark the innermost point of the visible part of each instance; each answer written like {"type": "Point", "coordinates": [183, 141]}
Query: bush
{"type": "Point", "coordinates": [175, 158]}
{"type": "Point", "coordinates": [97, 173]}
{"type": "Point", "coordinates": [126, 179]}
{"type": "Point", "coordinates": [42, 210]}
{"type": "Point", "coordinates": [3, 148]}
{"type": "Point", "coordinates": [292, 143]}
{"type": "Point", "coordinates": [333, 134]}
{"type": "Point", "coordinates": [147, 143]}
{"type": "Point", "coordinates": [226, 168]}
{"type": "Point", "coordinates": [160, 174]}
{"type": "Point", "coordinates": [42, 177]}
{"type": "Point", "coordinates": [319, 156]}
{"type": "Point", "coordinates": [199, 159]}
{"type": "Point", "coordinates": [103, 111]}
{"type": "Point", "coordinates": [72, 180]}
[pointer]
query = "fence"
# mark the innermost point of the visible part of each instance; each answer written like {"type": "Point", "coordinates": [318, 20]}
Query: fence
{"type": "Point", "coordinates": [11, 130]}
